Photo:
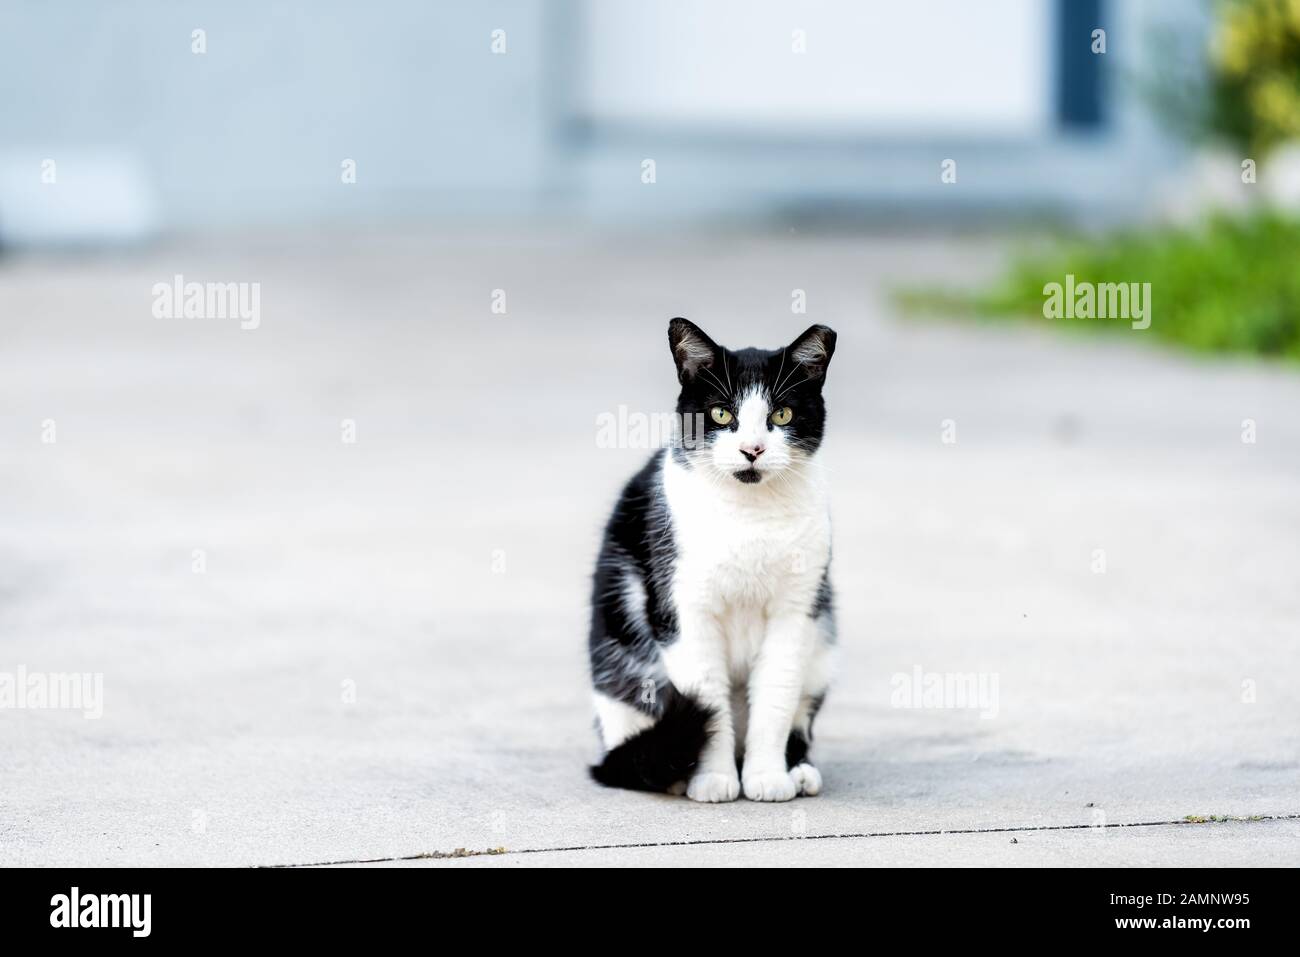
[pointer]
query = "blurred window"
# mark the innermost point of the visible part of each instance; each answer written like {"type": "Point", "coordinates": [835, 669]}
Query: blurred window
{"type": "Point", "coordinates": [868, 68]}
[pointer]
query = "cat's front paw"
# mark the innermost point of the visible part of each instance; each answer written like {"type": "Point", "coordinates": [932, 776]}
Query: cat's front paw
{"type": "Point", "coordinates": [773, 785]}
{"type": "Point", "coordinates": [713, 787]}
{"type": "Point", "coordinates": [806, 778]}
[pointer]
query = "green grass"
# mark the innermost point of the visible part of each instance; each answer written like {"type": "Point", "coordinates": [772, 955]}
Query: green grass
{"type": "Point", "coordinates": [1231, 285]}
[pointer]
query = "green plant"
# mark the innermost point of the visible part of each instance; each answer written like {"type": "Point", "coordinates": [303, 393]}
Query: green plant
{"type": "Point", "coordinates": [1242, 87]}
{"type": "Point", "coordinates": [1230, 285]}
{"type": "Point", "coordinates": [1255, 73]}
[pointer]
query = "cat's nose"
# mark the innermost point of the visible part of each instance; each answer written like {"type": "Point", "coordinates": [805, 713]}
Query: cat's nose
{"type": "Point", "coordinates": [751, 452]}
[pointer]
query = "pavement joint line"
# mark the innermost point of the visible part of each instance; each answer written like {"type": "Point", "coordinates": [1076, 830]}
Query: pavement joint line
{"type": "Point", "coordinates": [772, 839]}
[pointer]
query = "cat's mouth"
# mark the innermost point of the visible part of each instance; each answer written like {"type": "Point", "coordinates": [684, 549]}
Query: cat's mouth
{"type": "Point", "coordinates": [749, 476]}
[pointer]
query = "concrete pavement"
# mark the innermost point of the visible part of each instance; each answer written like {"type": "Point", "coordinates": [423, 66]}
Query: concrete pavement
{"type": "Point", "coordinates": [317, 650]}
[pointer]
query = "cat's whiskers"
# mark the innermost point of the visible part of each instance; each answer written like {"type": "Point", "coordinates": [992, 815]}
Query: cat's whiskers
{"type": "Point", "coordinates": [787, 475]}
{"type": "Point", "coordinates": [814, 460]}
{"type": "Point", "coordinates": [720, 385]}
{"type": "Point", "coordinates": [780, 382]}
{"type": "Point", "coordinates": [807, 378]}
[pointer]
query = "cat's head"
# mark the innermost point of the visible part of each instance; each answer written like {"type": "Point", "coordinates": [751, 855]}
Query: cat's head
{"type": "Point", "coordinates": [761, 410]}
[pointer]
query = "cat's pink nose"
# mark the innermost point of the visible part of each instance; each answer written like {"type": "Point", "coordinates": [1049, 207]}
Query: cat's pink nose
{"type": "Point", "coordinates": [752, 452]}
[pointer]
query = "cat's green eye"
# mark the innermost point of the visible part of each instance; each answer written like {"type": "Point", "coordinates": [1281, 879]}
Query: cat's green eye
{"type": "Point", "coordinates": [720, 415]}
{"type": "Point", "coordinates": [782, 416]}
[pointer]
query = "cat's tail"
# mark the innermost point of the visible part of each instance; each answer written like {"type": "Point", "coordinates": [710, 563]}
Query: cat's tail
{"type": "Point", "coordinates": [661, 755]}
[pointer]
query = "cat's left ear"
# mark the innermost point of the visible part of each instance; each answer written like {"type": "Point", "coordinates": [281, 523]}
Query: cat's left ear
{"type": "Point", "coordinates": [692, 349]}
{"type": "Point", "coordinates": [813, 350]}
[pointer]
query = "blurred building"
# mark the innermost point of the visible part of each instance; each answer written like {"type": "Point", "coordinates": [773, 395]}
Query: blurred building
{"type": "Point", "coordinates": [747, 108]}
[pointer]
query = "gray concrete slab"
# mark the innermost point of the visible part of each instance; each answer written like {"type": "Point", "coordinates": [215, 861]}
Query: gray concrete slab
{"type": "Point", "coordinates": [1235, 844]}
{"type": "Point", "coordinates": [384, 655]}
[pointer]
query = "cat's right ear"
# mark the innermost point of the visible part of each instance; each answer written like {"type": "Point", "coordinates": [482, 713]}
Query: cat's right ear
{"type": "Point", "coordinates": [692, 349]}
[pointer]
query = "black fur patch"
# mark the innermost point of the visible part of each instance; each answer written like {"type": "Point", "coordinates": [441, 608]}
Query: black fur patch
{"type": "Point", "coordinates": [661, 755]}
{"type": "Point", "coordinates": [798, 744]}
{"type": "Point", "coordinates": [638, 544]}
{"type": "Point", "coordinates": [825, 600]}
{"type": "Point", "coordinates": [796, 749]}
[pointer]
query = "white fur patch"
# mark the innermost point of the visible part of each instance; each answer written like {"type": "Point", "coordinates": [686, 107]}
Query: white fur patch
{"type": "Point", "coordinates": [634, 603]}
{"type": "Point", "coordinates": [747, 552]}
{"type": "Point", "coordinates": [619, 721]}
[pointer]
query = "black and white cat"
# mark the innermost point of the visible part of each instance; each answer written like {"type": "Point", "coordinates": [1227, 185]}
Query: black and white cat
{"type": "Point", "coordinates": [711, 625]}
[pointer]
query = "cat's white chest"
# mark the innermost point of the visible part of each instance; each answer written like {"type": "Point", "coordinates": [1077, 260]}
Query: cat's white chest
{"type": "Point", "coordinates": [747, 551]}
